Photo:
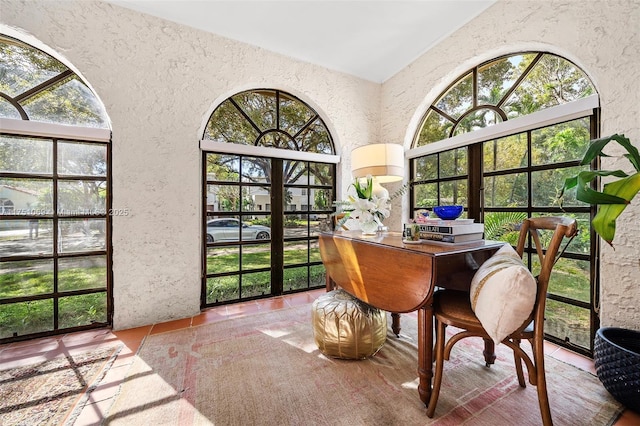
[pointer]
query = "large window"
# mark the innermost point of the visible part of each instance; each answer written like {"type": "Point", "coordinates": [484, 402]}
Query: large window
{"type": "Point", "coordinates": [37, 87]}
{"type": "Point", "coordinates": [55, 198]}
{"type": "Point", "coordinates": [267, 193]}
{"type": "Point", "coordinates": [504, 179]}
{"type": "Point", "coordinates": [500, 90]}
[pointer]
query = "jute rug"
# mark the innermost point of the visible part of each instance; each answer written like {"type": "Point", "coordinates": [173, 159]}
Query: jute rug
{"type": "Point", "coordinates": [45, 393]}
{"type": "Point", "coordinates": [265, 369]}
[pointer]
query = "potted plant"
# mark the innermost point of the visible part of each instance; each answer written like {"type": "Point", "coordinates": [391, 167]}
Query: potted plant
{"type": "Point", "coordinates": [616, 350]}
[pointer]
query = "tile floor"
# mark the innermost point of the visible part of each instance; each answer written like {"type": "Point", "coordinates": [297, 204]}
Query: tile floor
{"type": "Point", "coordinates": [100, 400]}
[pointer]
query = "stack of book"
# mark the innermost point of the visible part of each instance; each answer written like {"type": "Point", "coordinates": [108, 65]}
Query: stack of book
{"type": "Point", "coordinates": [451, 231]}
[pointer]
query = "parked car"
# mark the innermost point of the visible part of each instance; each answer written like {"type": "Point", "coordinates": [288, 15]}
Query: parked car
{"type": "Point", "coordinates": [228, 230]}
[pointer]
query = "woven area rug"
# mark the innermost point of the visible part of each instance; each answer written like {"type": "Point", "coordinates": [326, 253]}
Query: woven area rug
{"type": "Point", "coordinates": [265, 369]}
{"type": "Point", "coordinates": [45, 393]}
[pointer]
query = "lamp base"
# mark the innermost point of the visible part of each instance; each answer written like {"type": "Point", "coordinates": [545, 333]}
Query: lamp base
{"type": "Point", "coordinates": [378, 190]}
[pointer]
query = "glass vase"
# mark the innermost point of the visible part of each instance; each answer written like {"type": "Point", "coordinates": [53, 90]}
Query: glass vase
{"type": "Point", "coordinates": [369, 227]}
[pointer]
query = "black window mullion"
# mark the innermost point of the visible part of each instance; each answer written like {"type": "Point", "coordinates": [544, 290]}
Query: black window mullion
{"type": "Point", "coordinates": [519, 80]}
{"type": "Point", "coordinates": [203, 234]}
{"type": "Point", "coordinates": [594, 125]}
{"type": "Point", "coordinates": [305, 127]}
{"type": "Point", "coordinates": [474, 85]}
{"type": "Point", "coordinates": [45, 85]}
{"type": "Point", "coordinates": [244, 114]}
{"type": "Point", "coordinates": [438, 177]}
{"type": "Point", "coordinates": [240, 241]}
{"type": "Point", "coordinates": [475, 186]}
{"type": "Point", "coordinates": [278, 109]}
{"type": "Point", "coordinates": [56, 227]}
{"type": "Point", "coordinates": [109, 246]}
{"type": "Point", "coordinates": [529, 173]}
{"type": "Point", "coordinates": [277, 226]}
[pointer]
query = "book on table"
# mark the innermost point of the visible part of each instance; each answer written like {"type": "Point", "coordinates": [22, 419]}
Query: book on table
{"type": "Point", "coordinates": [452, 229]}
{"type": "Point", "coordinates": [450, 238]}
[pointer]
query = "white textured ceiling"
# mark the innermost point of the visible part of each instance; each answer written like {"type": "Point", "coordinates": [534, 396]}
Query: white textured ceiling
{"type": "Point", "coordinates": [369, 39]}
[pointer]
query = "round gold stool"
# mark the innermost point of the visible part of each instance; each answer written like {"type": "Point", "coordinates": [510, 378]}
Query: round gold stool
{"type": "Point", "coordinates": [346, 327]}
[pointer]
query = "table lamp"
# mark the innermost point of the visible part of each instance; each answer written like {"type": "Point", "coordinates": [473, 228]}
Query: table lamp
{"type": "Point", "coordinates": [384, 162]}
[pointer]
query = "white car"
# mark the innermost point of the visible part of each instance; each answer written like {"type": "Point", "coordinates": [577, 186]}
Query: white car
{"type": "Point", "coordinates": [229, 230]}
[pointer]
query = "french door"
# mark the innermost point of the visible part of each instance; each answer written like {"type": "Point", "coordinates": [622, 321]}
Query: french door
{"type": "Point", "coordinates": [262, 217]}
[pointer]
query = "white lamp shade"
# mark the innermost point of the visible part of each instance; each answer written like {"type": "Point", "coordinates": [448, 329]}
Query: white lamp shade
{"type": "Point", "coordinates": [384, 161]}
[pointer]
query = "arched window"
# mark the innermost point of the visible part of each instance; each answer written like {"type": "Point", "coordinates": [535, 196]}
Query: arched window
{"type": "Point", "coordinates": [269, 181]}
{"type": "Point", "coordinates": [500, 140]}
{"type": "Point", "coordinates": [55, 186]}
{"type": "Point", "coordinates": [503, 89]}
{"type": "Point", "coordinates": [35, 86]}
{"type": "Point", "coordinates": [269, 118]}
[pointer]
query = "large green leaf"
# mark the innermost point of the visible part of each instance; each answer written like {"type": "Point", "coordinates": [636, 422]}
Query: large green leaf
{"type": "Point", "coordinates": [586, 194]}
{"type": "Point", "coordinates": [616, 195]}
{"type": "Point", "coordinates": [604, 223]}
{"type": "Point", "coordinates": [597, 145]}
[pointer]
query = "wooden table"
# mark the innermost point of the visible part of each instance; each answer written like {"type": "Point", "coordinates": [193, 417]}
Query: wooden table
{"type": "Point", "coordinates": [397, 277]}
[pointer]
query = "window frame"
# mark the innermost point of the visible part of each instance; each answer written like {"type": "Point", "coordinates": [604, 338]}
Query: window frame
{"type": "Point", "coordinates": [56, 133]}
{"type": "Point", "coordinates": [588, 106]}
{"type": "Point", "coordinates": [34, 82]}
{"type": "Point", "coordinates": [275, 208]}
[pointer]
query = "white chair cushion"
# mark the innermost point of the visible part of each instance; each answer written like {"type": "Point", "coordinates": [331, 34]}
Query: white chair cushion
{"type": "Point", "coordinates": [503, 293]}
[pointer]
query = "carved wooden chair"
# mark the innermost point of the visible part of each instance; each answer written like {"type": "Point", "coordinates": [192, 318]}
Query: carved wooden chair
{"type": "Point", "coordinates": [455, 308]}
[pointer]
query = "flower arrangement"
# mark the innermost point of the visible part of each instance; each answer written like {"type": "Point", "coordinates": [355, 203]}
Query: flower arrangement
{"type": "Point", "coordinates": [369, 209]}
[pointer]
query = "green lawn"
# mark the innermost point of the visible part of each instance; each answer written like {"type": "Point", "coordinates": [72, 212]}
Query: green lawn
{"type": "Point", "coordinates": [17, 283]}
{"type": "Point", "coordinates": [222, 260]}
{"type": "Point", "coordinates": [569, 279]}
{"type": "Point", "coordinates": [37, 316]}
{"type": "Point", "coordinates": [36, 278]}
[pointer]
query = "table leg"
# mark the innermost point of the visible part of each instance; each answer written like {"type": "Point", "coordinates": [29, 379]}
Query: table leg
{"type": "Point", "coordinates": [329, 283]}
{"type": "Point", "coordinates": [425, 351]}
{"type": "Point", "coordinates": [395, 323]}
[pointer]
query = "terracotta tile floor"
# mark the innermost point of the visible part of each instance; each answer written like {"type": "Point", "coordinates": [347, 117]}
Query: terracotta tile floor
{"type": "Point", "coordinates": [100, 400]}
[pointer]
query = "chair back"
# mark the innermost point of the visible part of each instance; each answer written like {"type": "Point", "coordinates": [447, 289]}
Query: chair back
{"type": "Point", "coordinates": [563, 227]}
{"type": "Point", "coordinates": [338, 222]}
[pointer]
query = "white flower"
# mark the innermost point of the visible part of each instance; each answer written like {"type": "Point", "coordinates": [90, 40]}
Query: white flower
{"type": "Point", "coordinates": [362, 208]}
{"type": "Point", "coordinates": [362, 205]}
{"type": "Point", "coordinates": [381, 206]}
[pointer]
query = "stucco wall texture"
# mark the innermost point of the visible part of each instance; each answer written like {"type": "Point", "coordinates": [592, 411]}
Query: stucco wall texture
{"type": "Point", "coordinates": [160, 81]}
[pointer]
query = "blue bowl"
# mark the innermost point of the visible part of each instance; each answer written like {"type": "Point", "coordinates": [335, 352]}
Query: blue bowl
{"type": "Point", "coordinates": [448, 212]}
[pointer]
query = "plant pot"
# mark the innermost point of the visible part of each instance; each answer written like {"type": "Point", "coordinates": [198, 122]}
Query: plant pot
{"type": "Point", "coordinates": [616, 354]}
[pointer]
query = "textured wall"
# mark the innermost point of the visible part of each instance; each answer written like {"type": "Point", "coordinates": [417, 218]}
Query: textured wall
{"type": "Point", "coordinates": [599, 36]}
{"type": "Point", "coordinates": [159, 82]}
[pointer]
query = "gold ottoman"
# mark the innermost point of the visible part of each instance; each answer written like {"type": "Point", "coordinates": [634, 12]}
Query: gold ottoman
{"type": "Point", "coordinates": [346, 327]}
